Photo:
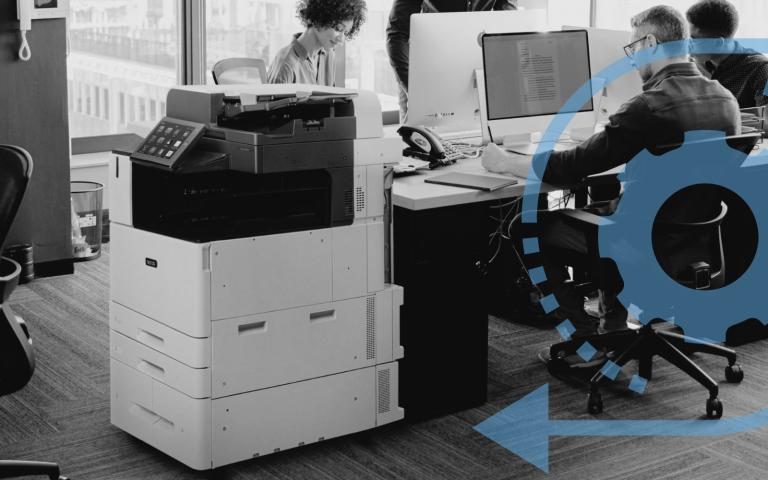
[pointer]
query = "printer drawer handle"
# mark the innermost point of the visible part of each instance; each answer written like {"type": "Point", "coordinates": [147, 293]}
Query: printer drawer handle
{"type": "Point", "coordinates": [148, 338]}
{"type": "Point", "coordinates": [150, 369]}
{"type": "Point", "coordinates": [325, 315]}
{"type": "Point", "coordinates": [253, 327]}
{"type": "Point", "coordinates": [150, 416]}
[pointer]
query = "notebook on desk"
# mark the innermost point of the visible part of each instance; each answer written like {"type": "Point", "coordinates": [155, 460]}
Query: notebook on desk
{"type": "Point", "coordinates": [532, 148]}
{"type": "Point", "coordinates": [468, 180]}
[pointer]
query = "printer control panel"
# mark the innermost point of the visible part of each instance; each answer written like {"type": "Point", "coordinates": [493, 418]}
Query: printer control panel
{"type": "Point", "coordinates": [168, 142]}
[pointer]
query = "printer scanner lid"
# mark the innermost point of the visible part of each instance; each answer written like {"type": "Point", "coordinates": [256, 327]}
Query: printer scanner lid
{"type": "Point", "coordinates": [213, 105]}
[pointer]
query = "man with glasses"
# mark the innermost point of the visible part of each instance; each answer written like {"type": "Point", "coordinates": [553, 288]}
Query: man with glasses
{"type": "Point", "coordinates": [742, 71]}
{"type": "Point", "coordinates": [310, 58]}
{"type": "Point", "coordinates": [676, 98]}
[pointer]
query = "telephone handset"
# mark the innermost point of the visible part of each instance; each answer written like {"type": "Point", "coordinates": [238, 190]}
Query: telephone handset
{"type": "Point", "coordinates": [425, 144]}
{"type": "Point", "coordinates": [24, 13]}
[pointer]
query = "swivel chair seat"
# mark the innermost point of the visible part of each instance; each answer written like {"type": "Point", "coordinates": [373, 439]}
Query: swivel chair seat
{"type": "Point", "coordinates": [695, 268]}
{"type": "Point", "coordinates": [239, 70]}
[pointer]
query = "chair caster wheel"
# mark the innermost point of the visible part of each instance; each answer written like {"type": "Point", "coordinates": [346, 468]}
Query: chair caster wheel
{"type": "Point", "coordinates": [734, 373]}
{"type": "Point", "coordinates": [557, 365]}
{"type": "Point", "coordinates": [714, 408]}
{"type": "Point", "coordinates": [595, 403]}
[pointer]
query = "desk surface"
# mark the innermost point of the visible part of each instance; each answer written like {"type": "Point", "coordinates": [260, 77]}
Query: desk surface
{"type": "Point", "coordinates": [413, 193]}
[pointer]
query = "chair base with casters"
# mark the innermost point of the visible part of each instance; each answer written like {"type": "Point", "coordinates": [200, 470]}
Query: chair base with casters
{"type": "Point", "coordinates": [642, 345]}
{"type": "Point", "coordinates": [690, 268]}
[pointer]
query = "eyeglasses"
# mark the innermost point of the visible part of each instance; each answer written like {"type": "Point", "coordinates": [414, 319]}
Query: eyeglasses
{"type": "Point", "coordinates": [629, 50]}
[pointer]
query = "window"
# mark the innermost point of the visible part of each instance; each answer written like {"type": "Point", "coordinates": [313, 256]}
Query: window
{"type": "Point", "coordinates": [124, 54]}
{"type": "Point", "coordinates": [121, 106]}
{"type": "Point", "coordinates": [121, 46]}
{"type": "Point", "coordinates": [131, 108]}
{"type": "Point", "coordinates": [367, 62]}
{"type": "Point", "coordinates": [574, 13]}
{"type": "Point", "coordinates": [247, 28]}
{"type": "Point", "coordinates": [97, 102]}
{"type": "Point", "coordinates": [259, 28]}
{"type": "Point", "coordinates": [152, 110]}
{"type": "Point", "coordinates": [106, 103]}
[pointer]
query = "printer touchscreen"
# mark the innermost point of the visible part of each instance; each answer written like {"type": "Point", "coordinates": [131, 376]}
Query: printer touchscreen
{"type": "Point", "coordinates": [167, 143]}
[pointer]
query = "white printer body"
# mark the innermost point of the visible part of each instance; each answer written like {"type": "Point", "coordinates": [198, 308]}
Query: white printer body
{"type": "Point", "coordinates": [250, 310]}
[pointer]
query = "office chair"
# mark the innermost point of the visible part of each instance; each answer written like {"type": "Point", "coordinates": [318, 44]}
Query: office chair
{"type": "Point", "coordinates": [17, 362]}
{"type": "Point", "coordinates": [700, 267]}
{"type": "Point", "coordinates": [239, 70]}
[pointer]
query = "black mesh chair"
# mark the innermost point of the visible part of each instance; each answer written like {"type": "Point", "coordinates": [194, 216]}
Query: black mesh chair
{"type": "Point", "coordinates": [692, 253]}
{"type": "Point", "coordinates": [239, 70]}
{"type": "Point", "coordinates": [17, 362]}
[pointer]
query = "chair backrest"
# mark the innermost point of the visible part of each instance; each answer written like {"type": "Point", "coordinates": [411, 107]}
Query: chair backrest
{"type": "Point", "coordinates": [689, 238]}
{"type": "Point", "coordinates": [239, 70]}
{"type": "Point", "coordinates": [17, 363]}
{"type": "Point", "coordinates": [680, 244]}
{"type": "Point", "coordinates": [15, 171]}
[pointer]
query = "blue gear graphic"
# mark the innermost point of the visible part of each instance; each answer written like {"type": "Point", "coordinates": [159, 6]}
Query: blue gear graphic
{"type": "Point", "coordinates": [648, 291]}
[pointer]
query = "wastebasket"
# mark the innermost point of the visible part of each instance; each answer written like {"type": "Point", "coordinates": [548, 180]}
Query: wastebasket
{"type": "Point", "coordinates": [86, 219]}
{"type": "Point", "coordinates": [22, 254]}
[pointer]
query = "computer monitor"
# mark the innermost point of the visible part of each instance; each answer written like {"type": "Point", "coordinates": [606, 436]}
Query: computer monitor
{"type": "Point", "coordinates": [444, 54]}
{"type": "Point", "coordinates": [605, 48]}
{"type": "Point", "coordinates": [530, 76]}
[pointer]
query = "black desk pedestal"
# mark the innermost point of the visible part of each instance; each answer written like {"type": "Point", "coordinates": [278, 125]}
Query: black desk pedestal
{"type": "Point", "coordinates": [444, 323]}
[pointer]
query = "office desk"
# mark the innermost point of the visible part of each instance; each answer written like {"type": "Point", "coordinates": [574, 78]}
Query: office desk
{"type": "Point", "coordinates": [440, 234]}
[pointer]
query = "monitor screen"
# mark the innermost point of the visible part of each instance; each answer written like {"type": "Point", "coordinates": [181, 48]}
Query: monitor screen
{"type": "Point", "coordinates": [533, 74]}
{"type": "Point", "coordinates": [442, 90]}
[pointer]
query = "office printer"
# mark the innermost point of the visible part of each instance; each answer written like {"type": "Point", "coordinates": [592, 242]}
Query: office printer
{"type": "Point", "coordinates": [196, 168]}
{"type": "Point", "coordinates": [250, 310]}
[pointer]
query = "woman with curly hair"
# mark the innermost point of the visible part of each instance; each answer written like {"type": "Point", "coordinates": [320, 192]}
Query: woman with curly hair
{"type": "Point", "coordinates": [310, 56]}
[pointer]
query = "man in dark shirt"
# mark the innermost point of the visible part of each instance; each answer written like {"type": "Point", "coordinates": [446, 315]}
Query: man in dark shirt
{"type": "Point", "coordinates": [744, 72]}
{"type": "Point", "coordinates": [399, 30]}
{"type": "Point", "coordinates": [676, 98]}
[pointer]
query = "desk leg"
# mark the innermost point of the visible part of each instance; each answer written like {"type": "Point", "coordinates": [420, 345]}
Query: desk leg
{"type": "Point", "coordinates": [444, 323]}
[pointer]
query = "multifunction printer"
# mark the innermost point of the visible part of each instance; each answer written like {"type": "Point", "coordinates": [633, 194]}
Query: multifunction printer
{"type": "Point", "coordinates": [250, 303]}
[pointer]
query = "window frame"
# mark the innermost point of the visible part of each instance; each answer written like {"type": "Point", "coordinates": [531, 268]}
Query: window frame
{"type": "Point", "coordinates": [191, 70]}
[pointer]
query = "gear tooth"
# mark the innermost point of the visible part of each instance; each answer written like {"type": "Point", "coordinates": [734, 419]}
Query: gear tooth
{"type": "Point", "coordinates": [759, 160]}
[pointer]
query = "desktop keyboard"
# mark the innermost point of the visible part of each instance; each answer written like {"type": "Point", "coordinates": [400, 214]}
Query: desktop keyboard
{"type": "Point", "coordinates": [458, 151]}
{"type": "Point", "coordinates": [452, 153]}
